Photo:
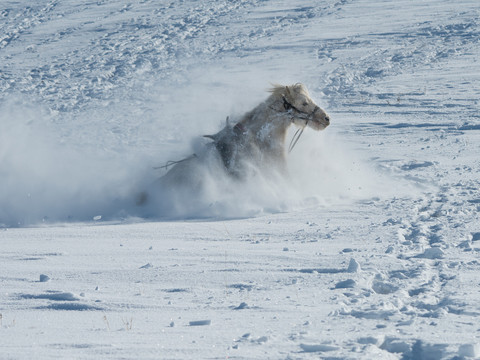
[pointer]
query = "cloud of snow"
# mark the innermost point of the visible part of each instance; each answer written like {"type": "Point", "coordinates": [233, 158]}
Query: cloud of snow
{"type": "Point", "coordinates": [186, 113]}
{"type": "Point", "coordinates": [43, 179]}
{"type": "Point", "coordinates": [62, 171]}
{"type": "Point", "coordinates": [323, 168]}
{"type": "Point", "coordinates": [328, 170]}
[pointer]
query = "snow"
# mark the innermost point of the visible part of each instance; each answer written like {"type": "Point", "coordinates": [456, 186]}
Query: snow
{"type": "Point", "coordinates": [370, 250]}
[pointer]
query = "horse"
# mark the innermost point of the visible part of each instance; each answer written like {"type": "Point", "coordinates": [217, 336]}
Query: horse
{"type": "Point", "coordinates": [256, 141]}
{"type": "Point", "coordinates": [259, 137]}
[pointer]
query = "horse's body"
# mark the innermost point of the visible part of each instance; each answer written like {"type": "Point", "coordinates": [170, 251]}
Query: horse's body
{"type": "Point", "coordinates": [257, 141]}
{"type": "Point", "coordinates": [259, 137]}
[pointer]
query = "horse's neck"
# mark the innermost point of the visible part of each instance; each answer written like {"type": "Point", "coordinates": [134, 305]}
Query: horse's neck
{"type": "Point", "coordinates": [267, 118]}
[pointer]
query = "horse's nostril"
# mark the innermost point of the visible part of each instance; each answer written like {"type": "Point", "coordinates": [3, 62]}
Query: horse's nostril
{"type": "Point", "coordinates": [327, 119]}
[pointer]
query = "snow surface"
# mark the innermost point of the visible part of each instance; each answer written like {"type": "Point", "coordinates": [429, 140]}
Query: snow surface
{"type": "Point", "coordinates": [370, 251]}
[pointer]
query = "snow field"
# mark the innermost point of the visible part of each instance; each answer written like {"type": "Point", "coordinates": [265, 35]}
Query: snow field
{"type": "Point", "coordinates": [372, 253]}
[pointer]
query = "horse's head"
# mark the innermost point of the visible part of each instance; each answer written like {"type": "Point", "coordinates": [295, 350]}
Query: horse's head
{"type": "Point", "coordinates": [298, 103]}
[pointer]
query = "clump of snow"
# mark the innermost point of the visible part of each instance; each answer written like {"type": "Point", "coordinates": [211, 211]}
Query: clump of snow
{"type": "Point", "coordinates": [432, 253]}
{"type": "Point", "coordinates": [44, 278]}
{"type": "Point", "coordinates": [200, 323]}
{"type": "Point", "coordinates": [308, 348]}
{"type": "Point", "coordinates": [353, 266]}
{"type": "Point", "coordinates": [346, 284]}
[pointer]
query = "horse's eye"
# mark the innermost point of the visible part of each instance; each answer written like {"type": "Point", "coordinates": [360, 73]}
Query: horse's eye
{"type": "Point", "coordinates": [305, 104]}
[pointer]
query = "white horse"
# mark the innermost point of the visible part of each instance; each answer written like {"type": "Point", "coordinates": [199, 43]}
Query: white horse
{"type": "Point", "coordinates": [256, 142]}
{"type": "Point", "coordinates": [259, 137]}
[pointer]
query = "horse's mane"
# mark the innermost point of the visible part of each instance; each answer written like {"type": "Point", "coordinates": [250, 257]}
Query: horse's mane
{"type": "Point", "coordinates": [282, 90]}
